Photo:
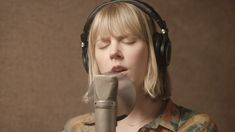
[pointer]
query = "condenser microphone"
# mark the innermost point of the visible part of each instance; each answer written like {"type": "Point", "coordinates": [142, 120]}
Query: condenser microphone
{"type": "Point", "coordinates": [114, 98]}
{"type": "Point", "coordinates": [105, 95]}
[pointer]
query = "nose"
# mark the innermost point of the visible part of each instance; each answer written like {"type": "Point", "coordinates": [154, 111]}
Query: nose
{"type": "Point", "coordinates": [115, 51]}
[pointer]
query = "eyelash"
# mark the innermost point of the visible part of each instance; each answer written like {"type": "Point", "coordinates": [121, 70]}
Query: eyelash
{"type": "Point", "coordinates": [129, 42]}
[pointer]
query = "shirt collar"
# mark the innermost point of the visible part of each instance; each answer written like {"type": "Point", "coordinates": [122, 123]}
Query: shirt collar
{"type": "Point", "coordinates": [169, 119]}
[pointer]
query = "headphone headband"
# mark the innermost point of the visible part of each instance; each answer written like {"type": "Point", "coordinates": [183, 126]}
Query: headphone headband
{"type": "Point", "coordinates": [141, 5]}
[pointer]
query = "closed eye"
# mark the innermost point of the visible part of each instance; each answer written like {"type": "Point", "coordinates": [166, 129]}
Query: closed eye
{"type": "Point", "coordinates": [102, 44]}
{"type": "Point", "coordinates": [129, 40]}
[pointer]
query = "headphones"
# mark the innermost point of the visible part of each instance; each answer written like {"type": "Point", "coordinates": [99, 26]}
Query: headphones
{"type": "Point", "coordinates": [162, 44]}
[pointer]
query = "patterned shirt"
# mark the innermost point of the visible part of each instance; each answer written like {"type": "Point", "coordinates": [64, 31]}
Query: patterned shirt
{"type": "Point", "coordinates": [174, 119]}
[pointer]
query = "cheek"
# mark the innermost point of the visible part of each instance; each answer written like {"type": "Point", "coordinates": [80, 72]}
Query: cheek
{"type": "Point", "coordinates": [103, 64]}
{"type": "Point", "coordinates": [138, 61]}
{"type": "Point", "coordinates": [139, 56]}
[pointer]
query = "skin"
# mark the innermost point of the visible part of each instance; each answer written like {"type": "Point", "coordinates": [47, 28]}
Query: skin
{"type": "Point", "coordinates": [131, 53]}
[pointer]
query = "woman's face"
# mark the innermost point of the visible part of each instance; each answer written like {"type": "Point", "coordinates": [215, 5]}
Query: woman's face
{"type": "Point", "coordinates": [127, 55]}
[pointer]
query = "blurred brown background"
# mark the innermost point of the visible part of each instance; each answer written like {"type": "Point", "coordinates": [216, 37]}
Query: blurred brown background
{"type": "Point", "coordinates": [41, 75]}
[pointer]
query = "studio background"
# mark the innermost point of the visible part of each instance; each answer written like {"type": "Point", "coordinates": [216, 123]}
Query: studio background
{"type": "Point", "coordinates": [42, 79]}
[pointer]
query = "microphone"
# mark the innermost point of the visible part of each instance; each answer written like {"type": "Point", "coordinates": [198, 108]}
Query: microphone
{"type": "Point", "coordinates": [105, 95]}
{"type": "Point", "coordinates": [114, 98]}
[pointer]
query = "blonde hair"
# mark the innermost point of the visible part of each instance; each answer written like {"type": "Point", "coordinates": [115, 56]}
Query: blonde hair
{"type": "Point", "coordinates": [123, 18]}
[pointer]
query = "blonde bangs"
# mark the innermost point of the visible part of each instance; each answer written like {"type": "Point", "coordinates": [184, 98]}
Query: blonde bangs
{"type": "Point", "coordinates": [119, 19]}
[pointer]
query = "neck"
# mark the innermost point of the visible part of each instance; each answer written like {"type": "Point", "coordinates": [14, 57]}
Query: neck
{"type": "Point", "coordinates": [145, 110]}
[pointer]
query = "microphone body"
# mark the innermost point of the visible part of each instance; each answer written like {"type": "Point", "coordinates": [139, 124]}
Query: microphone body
{"type": "Point", "coordinates": [105, 116]}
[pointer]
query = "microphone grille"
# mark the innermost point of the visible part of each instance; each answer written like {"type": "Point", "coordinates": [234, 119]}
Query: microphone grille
{"type": "Point", "coordinates": [105, 87]}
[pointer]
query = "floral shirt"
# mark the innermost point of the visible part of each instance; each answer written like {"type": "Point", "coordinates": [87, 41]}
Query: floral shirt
{"type": "Point", "coordinates": [174, 119]}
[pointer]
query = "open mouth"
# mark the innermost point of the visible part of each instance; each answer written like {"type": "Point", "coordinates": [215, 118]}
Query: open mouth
{"type": "Point", "coordinates": [118, 69]}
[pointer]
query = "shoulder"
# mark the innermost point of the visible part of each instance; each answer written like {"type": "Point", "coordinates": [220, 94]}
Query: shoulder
{"type": "Point", "coordinates": [193, 121]}
{"type": "Point", "coordinates": [80, 123]}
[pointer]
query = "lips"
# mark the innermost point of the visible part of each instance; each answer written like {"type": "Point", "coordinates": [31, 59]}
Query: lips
{"type": "Point", "coordinates": [118, 69]}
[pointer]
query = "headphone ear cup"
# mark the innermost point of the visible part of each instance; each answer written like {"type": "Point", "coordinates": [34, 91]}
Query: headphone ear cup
{"type": "Point", "coordinates": [167, 50]}
{"type": "Point", "coordinates": [84, 46]}
{"type": "Point", "coordinates": [157, 47]}
{"type": "Point", "coordinates": [85, 58]}
{"type": "Point", "coordinates": [162, 49]}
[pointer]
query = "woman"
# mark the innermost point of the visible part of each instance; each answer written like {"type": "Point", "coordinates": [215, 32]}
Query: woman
{"type": "Point", "coordinates": [122, 39]}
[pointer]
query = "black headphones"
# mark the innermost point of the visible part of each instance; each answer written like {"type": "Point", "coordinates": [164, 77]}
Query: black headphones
{"type": "Point", "coordinates": [162, 44]}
